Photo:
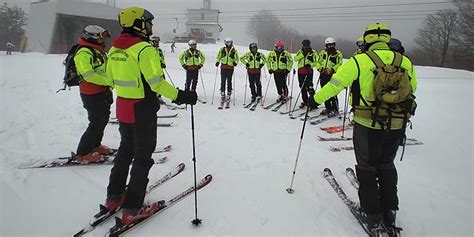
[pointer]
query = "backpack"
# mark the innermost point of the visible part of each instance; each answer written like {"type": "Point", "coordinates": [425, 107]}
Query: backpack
{"type": "Point", "coordinates": [70, 75]}
{"type": "Point", "coordinates": [392, 95]}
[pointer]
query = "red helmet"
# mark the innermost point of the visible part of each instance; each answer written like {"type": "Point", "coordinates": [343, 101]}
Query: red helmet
{"type": "Point", "coordinates": [279, 44]}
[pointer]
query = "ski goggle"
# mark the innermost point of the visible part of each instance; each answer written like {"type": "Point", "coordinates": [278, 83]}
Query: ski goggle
{"type": "Point", "coordinates": [279, 48]}
{"type": "Point", "coordinates": [253, 45]}
{"type": "Point", "coordinates": [331, 45]}
{"type": "Point", "coordinates": [360, 43]}
{"type": "Point", "coordinates": [147, 16]}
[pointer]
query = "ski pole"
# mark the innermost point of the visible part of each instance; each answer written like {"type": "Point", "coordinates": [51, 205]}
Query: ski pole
{"type": "Point", "coordinates": [298, 96]}
{"type": "Point", "coordinates": [204, 89]}
{"type": "Point", "coordinates": [245, 88]}
{"type": "Point", "coordinates": [266, 90]}
{"type": "Point", "coordinates": [292, 84]}
{"type": "Point", "coordinates": [169, 77]}
{"type": "Point", "coordinates": [233, 79]}
{"type": "Point", "coordinates": [345, 111]}
{"type": "Point", "coordinates": [290, 189]}
{"type": "Point", "coordinates": [214, 90]}
{"type": "Point", "coordinates": [196, 220]}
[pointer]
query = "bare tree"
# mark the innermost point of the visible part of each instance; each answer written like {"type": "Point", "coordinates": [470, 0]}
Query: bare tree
{"type": "Point", "coordinates": [464, 35]}
{"type": "Point", "coordinates": [13, 19]}
{"type": "Point", "coordinates": [437, 34]}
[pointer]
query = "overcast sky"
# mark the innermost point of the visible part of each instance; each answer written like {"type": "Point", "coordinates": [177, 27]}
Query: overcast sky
{"type": "Point", "coordinates": [337, 18]}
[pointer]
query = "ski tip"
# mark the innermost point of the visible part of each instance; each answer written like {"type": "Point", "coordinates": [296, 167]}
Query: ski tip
{"type": "Point", "coordinates": [290, 190]}
{"type": "Point", "coordinates": [327, 171]}
{"type": "Point", "coordinates": [208, 177]}
{"type": "Point", "coordinates": [349, 169]}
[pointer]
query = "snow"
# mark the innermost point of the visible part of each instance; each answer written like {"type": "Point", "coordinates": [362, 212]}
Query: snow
{"type": "Point", "coordinates": [251, 156]}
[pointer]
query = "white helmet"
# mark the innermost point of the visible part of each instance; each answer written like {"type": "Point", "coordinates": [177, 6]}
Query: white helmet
{"type": "Point", "coordinates": [228, 41]}
{"type": "Point", "coordinates": [329, 40]}
{"type": "Point", "coordinates": [95, 33]}
{"type": "Point", "coordinates": [192, 42]}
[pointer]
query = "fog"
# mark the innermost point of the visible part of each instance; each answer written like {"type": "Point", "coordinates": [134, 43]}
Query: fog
{"type": "Point", "coordinates": [341, 19]}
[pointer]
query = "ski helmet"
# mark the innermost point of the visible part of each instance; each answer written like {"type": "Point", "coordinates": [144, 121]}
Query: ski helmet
{"type": "Point", "coordinates": [192, 43]}
{"type": "Point", "coordinates": [377, 32]}
{"type": "Point", "coordinates": [95, 34]}
{"type": "Point", "coordinates": [306, 42]}
{"type": "Point", "coordinates": [396, 45]}
{"type": "Point", "coordinates": [279, 44]}
{"type": "Point", "coordinates": [134, 18]}
{"type": "Point", "coordinates": [360, 42]}
{"type": "Point", "coordinates": [253, 45]}
{"type": "Point", "coordinates": [228, 41]}
{"type": "Point", "coordinates": [330, 40]}
{"type": "Point", "coordinates": [155, 38]}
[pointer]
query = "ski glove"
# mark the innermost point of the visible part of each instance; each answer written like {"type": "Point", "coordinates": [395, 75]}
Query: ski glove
{"type": "Point", "coordinates": [186, 97]}
{"type": "Point", "coordinates": [163, 65]}
{"type": "Point", "coordinates": [270, 71]}
{"type": "Point", "coordinates": [307, 66]}
{"type": "Point", "coordinates": [199, 66]}
{"type": "Point", "coordinates": [185, 67]}
{"type": "Point", "coordinates": [247, 65]}
{"type": "Point", "coordinates": [235, 64]}
{"type": "Point", "coordinates": [261, 65]}
{"type": "Point", "coordinates": [217, 64]}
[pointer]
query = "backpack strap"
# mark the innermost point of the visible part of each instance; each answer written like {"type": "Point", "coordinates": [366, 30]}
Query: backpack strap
{"type": "Point", "coordinates": [397, 61]}
{"type": "Point", "coordinates": [375, 58]}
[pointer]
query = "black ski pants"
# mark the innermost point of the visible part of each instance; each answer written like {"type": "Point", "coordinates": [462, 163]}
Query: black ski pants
{"type": "Point", "coordinates": [305, 82]}
{"type": "Point", "coordinates": [280, 82]}
{"type": "Point", "coordinates": [226, 77]}
{"type": "Point", "coordinates": [192, 77]}
{"type": "Point", "coordinates": [332, 103]}
{"type": "Point", "coordinates": [138, 141]}
{"type": "Point", "coordinates": [98, 113]}
{"type": "Point", "coordinates": [375, 151]}
{"type": "Point", "coordinates": [255, 84]}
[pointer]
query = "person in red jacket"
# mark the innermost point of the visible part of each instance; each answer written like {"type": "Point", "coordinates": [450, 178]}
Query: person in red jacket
{"type": "Point", "coordinates": [96, 96]}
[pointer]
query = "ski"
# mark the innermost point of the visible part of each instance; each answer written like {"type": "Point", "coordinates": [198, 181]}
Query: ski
{"type": "Point", "coordinates": [327, 139]}
{"type": "Point", "coordinates": [167, 116]}
{"type": "Point", "coordinates": [351, 176]}
{"type": "Point", "coordinates": [271, 105]}
{"type": "Point", "coordinates": [202, 101]}
{"type": "Point", "coordinates": [68, 161]}
{"type": "Point", "coordinates": [115, 121]}
{"type": "Point", "coordinates": [278, 107]}
{"type": "Point", "coordinates": [337, 148]}
{"type": "Point", "coordinates": [353, 206]}
{"type": "Point", "coordinates": [254, 106]}
{"type": "Point", "coordinates": [249, 105]}
{"type": "Point", "coordinates": [310, 117]}
{"type": "Point", "coordinates": [104, 214]}
{"type": "Point", "coordinates": [162, 205]}
{"type": "Point", "coordinates": [291, 111]}
{"type": "Point", "coordinates": [336, 127]}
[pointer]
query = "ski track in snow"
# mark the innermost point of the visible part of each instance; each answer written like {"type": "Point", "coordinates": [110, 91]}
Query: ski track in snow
{"type": "Point", "coordinates": [251, 156]}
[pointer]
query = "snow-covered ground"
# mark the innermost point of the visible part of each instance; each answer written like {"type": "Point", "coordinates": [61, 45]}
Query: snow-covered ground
{"type": "Point", "coordinates": [250, 154]}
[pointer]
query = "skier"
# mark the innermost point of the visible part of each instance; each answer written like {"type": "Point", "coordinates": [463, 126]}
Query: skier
{"type": "Point", "coordinates": [173, 46]}
{"type": "Point", "coordinates": [279, 63]}
{"type": "Point", "coordinates": [10, 46]}
{"type": "Point", "coordinates": [228, 57]}
{"type": "Point", "coordinates": [329, 60]}
{"type": "Point", "coordinates": [307, 59]}
{"type": "Point", "coordinates": [96, 95]}
{"type": "Point", "coordinates": [155, 41]}
{"type": "Point", "coordinates": [192, 61]}
{"type": "Point", "coordinates": [134, 70]}
{"type": "Point", "coordinates": [375, 147]}
{"type": "Point", "coordinates": [254, 61]}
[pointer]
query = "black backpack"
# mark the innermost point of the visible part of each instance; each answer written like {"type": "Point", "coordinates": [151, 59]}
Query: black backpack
{"type": "Point", "coordinates": [70, 75]}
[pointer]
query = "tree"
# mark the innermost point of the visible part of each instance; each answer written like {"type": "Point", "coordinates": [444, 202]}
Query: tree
{"type": "Point", "coordinates": [13, 19]}
{"type": "Point", "coordinates": [437, 34]}
{"type": "Point", "coordinates": [464, 35]}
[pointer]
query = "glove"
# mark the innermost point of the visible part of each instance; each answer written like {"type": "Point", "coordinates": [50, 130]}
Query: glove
{"type": "Point", "coordinates": [307, 66]}
{"type": "Point", "coordinates": [270, 71]}
{"type": "Point", "coordinates": [186, 97]}
{"type": "Point", "coordinates": [311, 103]}
{"type": "Point", "coordinates": [199, 66]}
{"type": "Point", "coordinates": [261, 65]}
{"type": "Point", "coordinates": [185, 67]}
{"type": "Point", "coordinates": [163, 65]}
{"type": "Point", "coordinates": [235, 64]}
{"type": "Point", "coordinates": [328, 71]}
{"type": "Point", "coordinates": [286, 72]}
{"type": "Point", "coordinates": [247, 65]}
{"type": "Point", "coordinates": [217, 64]}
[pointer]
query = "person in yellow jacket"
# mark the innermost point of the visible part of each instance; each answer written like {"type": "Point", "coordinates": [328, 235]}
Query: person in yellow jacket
{"type": "Point", "coordinates": [96, 96]}
{"type": "Point", "coordinates": [228, 57]}
{"type": "Point", "coordinates": [254, 61]}
{"type": "Point", "coordinates": [134, 70]}
{"type": "Point", "coordinates": [329, 60]}
{"type": "Point", "coordinates": [192, 61]}
{"type": "Point", "coordinates": [375, 148]}
{"type": "Point", "coordinates": [155, 41]}
{"type": "Point", "coordinates": [307, 59]}
{"type": "Point", "coordinates": [360, 46]}
{"type": "Point", "coordinates": [280, 62]}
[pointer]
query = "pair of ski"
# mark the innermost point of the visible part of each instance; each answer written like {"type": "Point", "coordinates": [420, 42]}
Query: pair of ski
{"type": "Point", "coordinates": [252, 105]}
{"type": "Point", "coordinates": [224, 100]}
{"type": "Point", "coordinates": [337, 128]}
{"type": "Point", "coordinates": [119, 228]}
{"type": "Point", "coordinates": [354, 207]}
{"type": "Point", "coordinates": [69, 161]}
{"type": "Point", "coordinates": [337, 148]}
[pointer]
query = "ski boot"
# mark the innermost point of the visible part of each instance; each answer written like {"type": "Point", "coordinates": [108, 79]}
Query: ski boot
{"type": "Point", "coordinates": [130, 215]}
{"type": "Point", "coordinates": [389, 217]}
{"type": "Point", "coordinates": [374, 224]}
{"type": "Point", "coordinates": [103, 150]}
{"type": "Point", "coordinates": [227, 101]}
{"type": "Point", "coordinates": [222, 100]}
{"type": "Point", "coordinates": [114, 201]}
{"type": "Point", "coordinates": [92, 157]}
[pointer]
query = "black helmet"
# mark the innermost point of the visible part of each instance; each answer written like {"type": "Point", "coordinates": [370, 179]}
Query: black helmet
{"type": "Point", "coordinates": [306, 42]}
{"type": "Point", "coordinates": [253, 45]}
{"type": "Point", "coordinates": [396, 45]}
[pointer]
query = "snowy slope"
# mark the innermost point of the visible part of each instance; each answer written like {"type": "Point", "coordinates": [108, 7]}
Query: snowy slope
{"type": "Point", "coordinates": [250, 154]}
